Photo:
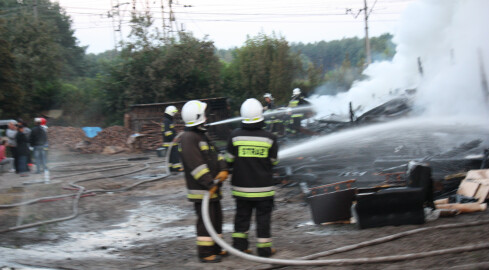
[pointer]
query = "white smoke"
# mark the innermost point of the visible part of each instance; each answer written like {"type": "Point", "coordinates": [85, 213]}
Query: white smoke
{"type": "Point", "coordinates": [446, 36]}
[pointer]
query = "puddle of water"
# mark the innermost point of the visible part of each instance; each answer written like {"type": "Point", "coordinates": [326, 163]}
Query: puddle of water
{"type": "Point", "coordinates": [144, 224]}
{"type": "Point", "coordinates": [304, 224]}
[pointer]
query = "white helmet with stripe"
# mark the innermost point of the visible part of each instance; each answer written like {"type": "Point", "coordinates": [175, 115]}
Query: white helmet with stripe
{"type": "Point", "coordinates": [171, 110]}
{"type": "Point", "coordinates": [193, 113]}
{"type": "Point", "coordinates": [296, 92]}
{"type": "Point", "coordinates": [251, 111]}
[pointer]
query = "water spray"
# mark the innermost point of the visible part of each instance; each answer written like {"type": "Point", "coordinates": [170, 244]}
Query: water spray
{"type": "Point", "coordinates": [277, 112]}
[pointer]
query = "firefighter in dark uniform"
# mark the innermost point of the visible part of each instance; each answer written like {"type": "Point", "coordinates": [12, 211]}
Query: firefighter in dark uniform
{"type": "Point", "coordinates": [169, 133]}
{"type": "Point", "coordinates": [294, 127]}
{"type": "Point", "coordinates": [253, 152]}
{"type": "Point", "coordinates": [203, 168]}
{"type": "Point", "coordinates": [268, 102]}
{"type": "Point", "coordinates": [273, 122]}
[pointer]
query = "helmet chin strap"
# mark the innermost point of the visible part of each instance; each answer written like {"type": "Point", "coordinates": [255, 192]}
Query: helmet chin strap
{"type": "Point", "coordinates": [202, 127]}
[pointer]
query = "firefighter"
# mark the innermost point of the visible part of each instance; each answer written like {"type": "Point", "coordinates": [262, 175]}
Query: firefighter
{"type": "Point", "coordinates": [253, 152]}
{"type": "Point", "coordinates": [169, 133]}
{"type": "Point", "coordinates": [203, 168]}
{"type": "Point", "coordinates": [296, 115]}
{"type": "Point", "coordinates": [268, 102]}
{"type": "Point", "coordinates": [273, 122]}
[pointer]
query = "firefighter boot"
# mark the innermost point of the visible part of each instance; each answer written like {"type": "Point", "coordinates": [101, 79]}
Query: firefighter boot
{"type": "Point", "coordinates": [211, 259]}
{"type": "Point", "coordinates": [266, 251]}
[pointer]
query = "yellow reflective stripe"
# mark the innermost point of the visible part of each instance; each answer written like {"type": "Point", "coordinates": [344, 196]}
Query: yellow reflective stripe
{"type": "Point", "coordinates": [239, 235]}
{"type": "Point", "coordinates": [229, 157]}
{"type": "Point", "coordinates": [252, 143]}
{"type": "Point", "coordinates": [205, 243]}
{"type": "Point", "coordinates": [202, 172]}
{"type": "Point", "coordinates": [293, 103]}
{"type": "Point", "coordinates": [199, 171]}
{"type": "Point", "coordinates": [263, 245]}
{"type": "Point", "coordinates": [274, 161]}
{"type": "Point", "coordinates": [200, 196]}
{"type": "Point", "coordinates": [254, 119]}
{"type": "Point", "coordinates": [168, 133]}
{"type": "Point", "coordinates": [204, 147]}
{"type": "Point", "coordinates": [253, 194]}
{"type": "Point", "coordinates": [297, 115]}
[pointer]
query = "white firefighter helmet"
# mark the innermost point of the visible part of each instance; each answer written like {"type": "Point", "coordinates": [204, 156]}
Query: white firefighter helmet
{"type": "Point", "coordinates": [296, 92]}
{"type": "Point", "coordinates": [251, 111]}
{"type": "Point", "coordinates": [193, 113]}
{"type": "Point", "coordinates": [37, 119]}
{"type": "Point", "coordinates": [171, 110]}
{"type": "Point", "coordinates": [268, 95]}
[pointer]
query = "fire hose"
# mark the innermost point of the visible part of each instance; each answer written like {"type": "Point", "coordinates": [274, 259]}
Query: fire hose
{"type": "Point", "coordinates": [81, 191]}
{"type": "Point", "coordinates": [340, 262]}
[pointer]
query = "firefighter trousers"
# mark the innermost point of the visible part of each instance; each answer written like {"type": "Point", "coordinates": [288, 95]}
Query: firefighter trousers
{"type": "Point", "coordinates": [205, 245]}
{"type": "Point", "coordinates": [242, 220]}
{"type": "Point", "coordinates": [174, 161]}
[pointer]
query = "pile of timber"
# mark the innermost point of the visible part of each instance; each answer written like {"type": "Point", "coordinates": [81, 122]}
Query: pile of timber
{"type": "Point", "coordinates": [152, 138]}
{"type": "Point", "coordinates": [65, 137]}
{"type": "Point", "coordinates": [111, 136]}
{"type": "Point", "coordinates": [74, 139]}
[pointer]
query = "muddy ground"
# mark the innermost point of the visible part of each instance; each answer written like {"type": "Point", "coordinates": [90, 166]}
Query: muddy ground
{"type": "Point", "coordinates": [151, 226]}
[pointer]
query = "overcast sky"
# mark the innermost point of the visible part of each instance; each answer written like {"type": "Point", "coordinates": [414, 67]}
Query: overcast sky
{"type": "Point", "coordinates": [229, 22]}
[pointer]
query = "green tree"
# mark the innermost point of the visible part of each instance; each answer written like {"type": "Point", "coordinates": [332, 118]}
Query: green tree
{"type": "Point", "coordinates": [11, 96]}
{"type": "Point", "coordinates": [182, 69]}
{"type": "Point", "coordinates": [264, 64]}
{"type": "Point", "coordinates": [44, 50]}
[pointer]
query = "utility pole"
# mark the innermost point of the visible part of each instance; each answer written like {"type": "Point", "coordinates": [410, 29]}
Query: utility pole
{"type": "Point", "coordinates": [35, 9]}
{"type": "Point", "coordinates": [111, 15]}
{"type": "Point", "coordinates": [367, 41]}
{"type": "Point", "coordinates": [368, 57]}
{"type": "Point", "coordinates": [163, 21]}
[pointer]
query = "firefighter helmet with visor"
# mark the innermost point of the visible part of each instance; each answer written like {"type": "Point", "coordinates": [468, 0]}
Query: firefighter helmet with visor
{"type": "Point", "coordinates": [251, 111]}
{"type": "Point", "coordinates": [171, 110]}
{"type": "Point", "coordinates": [296, 92]}
{"type": "Point", "coordinates": [193, 113]}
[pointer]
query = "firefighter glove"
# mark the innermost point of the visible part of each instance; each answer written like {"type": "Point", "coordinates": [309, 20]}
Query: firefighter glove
{"type": "Point", "coordinates": [222, 175]}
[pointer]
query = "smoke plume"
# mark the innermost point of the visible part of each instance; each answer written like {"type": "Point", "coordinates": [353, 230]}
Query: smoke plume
{"type": "Point", "coordinates": [450, 40]}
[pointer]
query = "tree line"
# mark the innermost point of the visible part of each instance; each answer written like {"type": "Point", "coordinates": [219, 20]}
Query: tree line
{"type": "Point", "coordinates": [43, 67]}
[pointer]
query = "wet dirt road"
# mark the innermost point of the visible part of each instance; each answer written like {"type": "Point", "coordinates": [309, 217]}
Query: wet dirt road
{"type": "Point", "coordinates": [151, 226]}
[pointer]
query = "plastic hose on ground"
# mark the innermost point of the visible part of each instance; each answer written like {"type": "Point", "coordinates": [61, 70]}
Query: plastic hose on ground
{"type": "Point", "coordinates": [337, 262]}
{"type": "Point", "coordinates": [81, 191]}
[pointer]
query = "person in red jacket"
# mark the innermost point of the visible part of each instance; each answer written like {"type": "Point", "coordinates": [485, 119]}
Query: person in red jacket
{"type": "Point", "coordinates": [3, 158]}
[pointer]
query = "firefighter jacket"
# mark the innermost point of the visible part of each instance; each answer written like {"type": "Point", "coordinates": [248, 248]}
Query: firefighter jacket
{"type": "Point", "coordinates": [253, 152]}
{"type": "Point", "coordinates": [201, 163]}
{"type": "Point", "coordinates": [168, 130]}
{"type": "Point", "coordinates": [298, 101]}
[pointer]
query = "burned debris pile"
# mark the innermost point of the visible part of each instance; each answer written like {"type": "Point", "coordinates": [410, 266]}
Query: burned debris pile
{"type": "Point", "coordinates": [390, 110]}
{"type": "Point", "coordinates": [396, 172]}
